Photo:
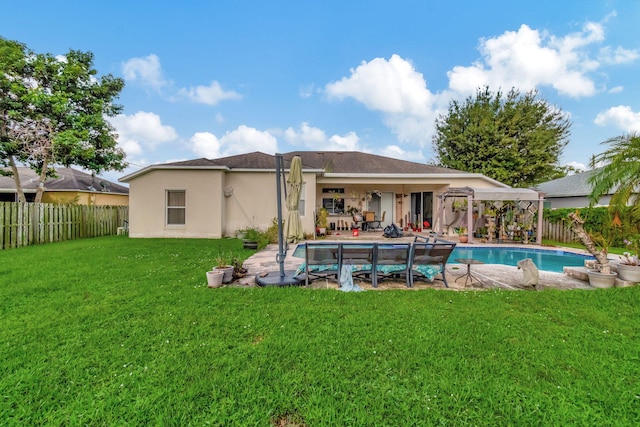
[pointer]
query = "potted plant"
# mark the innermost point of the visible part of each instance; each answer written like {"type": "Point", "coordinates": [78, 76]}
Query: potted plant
{"type": "Point", "coordinates": [252, 238]}
{"type": "Point", "coordinates": [629, 266]}
{"type": "Point", "coordinates": [322, 221]}
{"type": "Point", "coordinates": [354, 212]}
{"type": "Point", "coordinates": [238, 267]}
{"type": "Point", "coordinates": [214, 278]}
{"type": "Point", "coordinates": [241, 233]}
{"type": "Point", "coordinates": [462, 235]}
{"type": "Point", "coordinates": [223, 263]}
{"type": "Point", "coordinates": [601, 276]}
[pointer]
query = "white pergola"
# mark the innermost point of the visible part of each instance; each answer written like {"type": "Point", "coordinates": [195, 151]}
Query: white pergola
{"type": "Point", "coordinates": [491, 194]}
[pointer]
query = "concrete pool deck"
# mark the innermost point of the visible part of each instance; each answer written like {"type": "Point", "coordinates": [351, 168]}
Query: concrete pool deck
{"type": "Point", "coordinates": [492, 276]}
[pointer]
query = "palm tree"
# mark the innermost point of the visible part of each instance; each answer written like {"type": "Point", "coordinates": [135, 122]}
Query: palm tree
{"type": "Point", "coordinates": [620, 173]}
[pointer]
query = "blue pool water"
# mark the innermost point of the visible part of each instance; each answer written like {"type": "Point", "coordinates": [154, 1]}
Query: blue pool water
{"type": "Point", "coordinates": [544, 259]}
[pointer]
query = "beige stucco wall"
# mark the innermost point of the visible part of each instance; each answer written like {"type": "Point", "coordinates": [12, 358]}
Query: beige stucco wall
{"type": "Point", "coordinates": [86, 198]}
{"type": "Point", "coordinates": [204, 201]}
{"type": "Point", "coordinates": [253, 202]}
{"type": "Point", "coordinates": [250, 202]}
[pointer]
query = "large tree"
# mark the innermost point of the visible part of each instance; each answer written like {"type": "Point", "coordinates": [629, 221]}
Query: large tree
{"type": "Point", "coordinates": [514, 138]}
{"type": "Point", "coordinates": [15, 72]}
{"type": "Point", "coordinates": [620, 174]}
{"type": "Point", "coordinates": [57, 114]}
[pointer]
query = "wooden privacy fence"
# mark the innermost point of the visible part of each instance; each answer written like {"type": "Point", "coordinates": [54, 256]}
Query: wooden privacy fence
{"type": "Point", "coordinates": [559, 231]}
{"type": "Point", "coordinates": [24, 224]}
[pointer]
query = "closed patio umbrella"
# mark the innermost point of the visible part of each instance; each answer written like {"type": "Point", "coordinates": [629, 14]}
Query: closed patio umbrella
{"type": "Point", "coordinates": [293, 224]}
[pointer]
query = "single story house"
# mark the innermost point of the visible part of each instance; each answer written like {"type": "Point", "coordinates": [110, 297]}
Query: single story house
{"type": "Point", "coordinates": [212, 198]}
{"type": "Point", "coordinates": [69, 186]}
{"type": "Point", "coordinates": [571, 191]}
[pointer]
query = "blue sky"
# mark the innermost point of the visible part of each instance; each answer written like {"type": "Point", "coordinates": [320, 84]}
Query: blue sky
{"type": "Point", "coordinates": [217, 78]}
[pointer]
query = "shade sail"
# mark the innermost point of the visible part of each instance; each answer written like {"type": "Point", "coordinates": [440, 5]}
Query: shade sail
{"type": "Point", "coordinates": [505, 194]}
{"type": "Point", "coordinates": [493, 193]}
{"type": "Point", "coordinates": [292, 230]}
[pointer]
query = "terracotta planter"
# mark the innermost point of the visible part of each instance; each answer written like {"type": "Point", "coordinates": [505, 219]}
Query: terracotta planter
{"type": "Point", "coordinates": [629, 273]}
{"type": "Point", "coordinates": [214, 278]}
{"type": "Point", "coordinates": [463, 239]}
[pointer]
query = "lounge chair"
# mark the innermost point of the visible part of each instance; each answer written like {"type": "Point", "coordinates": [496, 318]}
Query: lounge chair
{"type": "Point", "coordinates": [427, 260]}
{"type": "Point", "coordinates": [321, 261]}
{"type": "Point", "coordinates": [360, 256]}
{"type": "Point", "coordinates": [391, 261]}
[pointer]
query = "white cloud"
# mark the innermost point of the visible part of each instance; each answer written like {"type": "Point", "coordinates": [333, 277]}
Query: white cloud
{"type": "Point", "coordinates": [244, 139]}
{"type": "Point", "coordinates": [140, 132]}
{"type": "Point", "coordinates": [209, 95]}
{"type": "Point", "coordinates": [622, 117]}
{"type": "Point", "coordinates": [616, 89]}
{"type": "Point", "coordinates": [306, 91]}
{"type": "Point", "coordinates": [579, 167]}
{"type": "Point", "coordinates": [396, 152]}
{"type": "Point", "coordinates": [528, 58]}
{"type": "Point", "coordinates": [146, 70]}
{"type": "Point", "coordinates": [619, 55]}
{"type": "Point", "coordinates": [312, 137]}
{"type": "Point", "coordinates": [348, 142]}
{"type": "Point", "coordinates": [394, 88]}
{"type": "Point", "coordinates": [205, 144]}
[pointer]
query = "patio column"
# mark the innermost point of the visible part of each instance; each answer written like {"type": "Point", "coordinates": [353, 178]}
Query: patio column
{"type": "Point", "coordinates": [470, 218]}
{"type": "Point", "coordinates": [540, 210]}
{"type": "Point", "coordinates": [440, 215]}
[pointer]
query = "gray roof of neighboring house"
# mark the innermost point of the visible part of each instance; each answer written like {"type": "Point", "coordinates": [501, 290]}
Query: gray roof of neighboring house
{"type": "Point", "coordinates": [576, 185]}
{"type": "Point", "coordinates": [352, 162]}
{"type": "Point", "coordinates": [68, 179]}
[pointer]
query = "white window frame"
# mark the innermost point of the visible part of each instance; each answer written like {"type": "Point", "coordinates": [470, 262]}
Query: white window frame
{"type": "Point", "coordinates": [302, 205]}
{"type": "Point", "coordinates": [177, 207]}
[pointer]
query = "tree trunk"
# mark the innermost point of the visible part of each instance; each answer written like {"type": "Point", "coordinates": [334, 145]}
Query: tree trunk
{"type": "Point", "coordinates": [584, 237]}
{"type": "Point", "coordinates": [41, 181]}
{"type": "Point", "coordinates": [16, 179]}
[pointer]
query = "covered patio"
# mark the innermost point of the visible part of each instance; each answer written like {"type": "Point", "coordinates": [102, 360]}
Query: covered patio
{"type": "Point", "coordinates": [496, 215]}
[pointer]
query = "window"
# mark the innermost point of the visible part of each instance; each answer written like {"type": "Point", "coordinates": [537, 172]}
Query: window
{"type": "Point", "coordinates": [176, 207]}
{"type": "Point", "coordinates": [301, 204]}
{"type": "Point", "coordinates": [335, 203]}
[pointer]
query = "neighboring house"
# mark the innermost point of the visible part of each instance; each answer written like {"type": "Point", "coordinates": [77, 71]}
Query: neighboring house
{"type": "Point", "coordinates": [69, 186]}
{"type": "Point", "coordinates": [212, 198]}
{"type": "Point", "coordinates": [571, 191]}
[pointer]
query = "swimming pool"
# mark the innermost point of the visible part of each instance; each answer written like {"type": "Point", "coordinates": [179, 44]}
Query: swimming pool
{"type": "Point", "coordinates": [552, 260]}
{"type": "Point", "coordinates": [545, 259]}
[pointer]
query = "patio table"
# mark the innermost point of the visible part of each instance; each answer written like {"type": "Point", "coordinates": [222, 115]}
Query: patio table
{"type": "Point", "coordinates": [468, 277]}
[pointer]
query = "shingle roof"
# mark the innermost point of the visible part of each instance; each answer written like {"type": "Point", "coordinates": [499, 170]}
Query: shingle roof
{"type": "Point", "coordinates": [356, 162]}
{"type": "Point", "coordinates": [68, 179]}
{"type": "Point", "coordinates": [569, 186]}
{"type": "Point", "coordinates": [353, 162]}
{"type": "Point", "coordinates": [327, 162]}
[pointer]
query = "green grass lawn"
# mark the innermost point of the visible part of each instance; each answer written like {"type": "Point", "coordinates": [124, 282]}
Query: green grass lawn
{"type": "Point", "coordinates": [116, 331]}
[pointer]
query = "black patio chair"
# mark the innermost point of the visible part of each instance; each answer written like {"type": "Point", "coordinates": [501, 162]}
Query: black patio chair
{"type": "Point", "coordinates": [427, 260]}
{"type": "Point", "coordinates": [321, 261]}
{"type": "Point", "coordinates": [391, 261]}
{"type": "Point", "coordinates": [360, 256]}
